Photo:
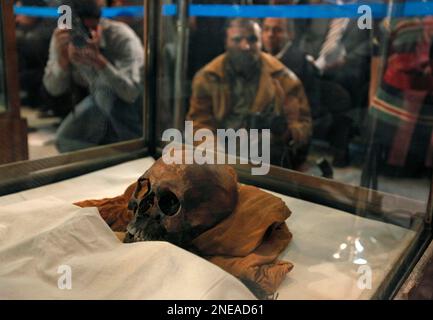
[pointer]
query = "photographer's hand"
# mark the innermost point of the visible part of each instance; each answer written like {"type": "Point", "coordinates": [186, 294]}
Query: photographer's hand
{"type": "Point", "coordinates": [76, 54]}
{"type": "Point", "coordinates": [62, 43]}
{"type": "Point", "coordinates": [89, 55]}
{"type": "Point", "coordinates": [96, 59]}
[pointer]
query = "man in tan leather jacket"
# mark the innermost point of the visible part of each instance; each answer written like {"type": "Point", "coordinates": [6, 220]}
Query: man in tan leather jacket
{"type": "Point", "coordinates": [247, 88]}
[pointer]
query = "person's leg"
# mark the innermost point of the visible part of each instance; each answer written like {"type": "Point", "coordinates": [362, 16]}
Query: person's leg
{"type": "Point", "coordinates": [84, 127]}
{"type": "Point", "coordinates": [336, 100]}
{"type": "Point", "coordinates": [125, 119]}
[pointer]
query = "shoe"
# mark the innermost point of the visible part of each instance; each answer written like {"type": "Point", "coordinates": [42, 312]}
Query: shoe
{"type": "Point", "coordinates": [325, 168]}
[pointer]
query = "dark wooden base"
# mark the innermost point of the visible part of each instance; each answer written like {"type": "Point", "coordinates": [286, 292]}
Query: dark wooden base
{"type": "Point", "coordinates": [13, 140]}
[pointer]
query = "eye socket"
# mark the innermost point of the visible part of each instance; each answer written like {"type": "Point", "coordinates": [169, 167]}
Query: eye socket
{"type": "Point", "coordinates": [237, 39]}
{"type": "Point", "coordinates": [168, 203]}
{"type": "Point", "coordinates": [252, 39]}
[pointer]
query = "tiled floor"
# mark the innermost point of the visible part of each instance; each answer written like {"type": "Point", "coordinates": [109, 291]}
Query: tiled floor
{"type": "Point", "coordinates": [41, 136]}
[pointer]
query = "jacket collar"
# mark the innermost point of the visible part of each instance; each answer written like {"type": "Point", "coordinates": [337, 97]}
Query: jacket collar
{"type": "Point", "coordinates": [268, 91]}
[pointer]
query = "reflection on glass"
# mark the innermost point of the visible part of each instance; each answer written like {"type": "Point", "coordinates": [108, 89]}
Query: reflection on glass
{"type": "Point", "coordinates": [2, 72]}
{"type": "Point", "coordinates": [81, 87]}
{"type": "Point", "coordinates": [315, 120]}
{"type": "Point", "coordinates": [315, 73]}
{"type": "Point", "coordinates": [318, 121]}
{"type": "Point", "coordinates": [352, 250]}
{"type": "Point", "coordinates": [244, 88]}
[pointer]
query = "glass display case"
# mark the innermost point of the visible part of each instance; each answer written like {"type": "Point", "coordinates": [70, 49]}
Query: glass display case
{"type": "Point", "coordinates": [370, 187]}
{"type": "Point", "coordinates": [13, 129]}
{"type": "Point", "coordinates": [2, 75]}
{"type": "Point", "coordinates": [342, 99]}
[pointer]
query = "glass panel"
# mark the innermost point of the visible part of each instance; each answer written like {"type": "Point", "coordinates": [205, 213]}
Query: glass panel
{"type": "Point", "coordinates": [80, 87]}
{"type": "Point", "coordinates": [167, 49]}
{"type": "Point", "coordinates": [338, 104]}
{"type": "Point", "coordinates": [316, 103]}
{"type": "Point", "coordinates": [309, 74]}
{"type": "Point", "coordinates": [2, 72]}
{"type": "Point", "coordinates": [398, 129]}
{"type": "Point", "coordinates": [321, 132]}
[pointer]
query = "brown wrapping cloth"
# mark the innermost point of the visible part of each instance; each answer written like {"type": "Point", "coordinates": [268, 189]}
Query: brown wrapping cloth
{"type": "Point", "coordinates": [246, 244]}
{"type": "Point", "coordinates": [114, 211]}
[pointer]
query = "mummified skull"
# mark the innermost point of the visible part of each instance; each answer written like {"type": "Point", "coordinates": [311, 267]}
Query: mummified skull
{"type": "Point", "coordinates": [178, 202]}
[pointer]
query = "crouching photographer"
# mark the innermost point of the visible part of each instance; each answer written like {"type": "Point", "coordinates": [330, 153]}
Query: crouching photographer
{"type": "Point", "coordinates": [106, 58]}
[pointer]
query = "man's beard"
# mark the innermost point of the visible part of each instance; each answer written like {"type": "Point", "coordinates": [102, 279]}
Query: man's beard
{"type": "Point", "coordinates": [244, 64]}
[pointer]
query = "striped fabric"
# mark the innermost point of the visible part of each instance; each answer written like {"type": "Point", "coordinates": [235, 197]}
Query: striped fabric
{"type": "Point", "coordinates": [332, 49]}
{"type": "Point", "coordinates": [403, 105]}
{"type": "Point", "coordinates": [334, 35]}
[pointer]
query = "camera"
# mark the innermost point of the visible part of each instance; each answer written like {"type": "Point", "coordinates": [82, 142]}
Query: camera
{"type": "Point", "coordinates": [284, 155]}
{"type": "Point", "coordinates": [275, 122]}
{"type": "Point", "coordinates": [80, 34]}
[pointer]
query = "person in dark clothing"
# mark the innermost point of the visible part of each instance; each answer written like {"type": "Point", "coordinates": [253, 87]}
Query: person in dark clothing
{"type": "Point", "coordinates": [33, 39]}
{"type": "Point", "coordinates": [325, 97]}
{"type": "Point", "coordinates": [341, 51]}
{"type": "Point", "coordinates": [277, 37]}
